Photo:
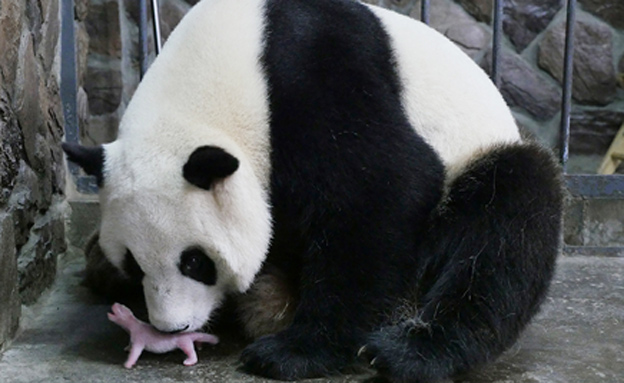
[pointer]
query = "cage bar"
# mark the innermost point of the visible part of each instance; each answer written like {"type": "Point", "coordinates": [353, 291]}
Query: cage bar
{"type": "Point", "coordinates": [566, 102]}
{"type": "Point", "coordinates": [424, 11]}
{"type": "Point", "coordinates": [156, 25]}
{"type": "Point", "coordinates": [497, 29]}
{"type": "Point", "coordinates": [143, 49]}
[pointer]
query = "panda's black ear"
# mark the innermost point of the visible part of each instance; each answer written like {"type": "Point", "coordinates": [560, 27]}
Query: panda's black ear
{"type": "Point", "coordinates": [208, 164]}
{"type": "Point", "coordinates": [90, 159]}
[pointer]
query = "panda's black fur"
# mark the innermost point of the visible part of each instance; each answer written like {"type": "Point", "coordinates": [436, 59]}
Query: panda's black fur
{"type": "Point", "coordinates": [350, 188]}
{"type": "Point", "coordinates": [485, 265]}
{"type": "Point", "coordinates": [427, 276]}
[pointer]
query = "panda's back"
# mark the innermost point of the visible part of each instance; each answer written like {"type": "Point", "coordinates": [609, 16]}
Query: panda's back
{"type": "Point", "coordinates": [216, 77]}
{"type": "Point", "coordinates": [449, 99]}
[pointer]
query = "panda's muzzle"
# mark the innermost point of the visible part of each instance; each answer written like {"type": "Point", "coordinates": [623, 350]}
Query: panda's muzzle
{"type": "Point", "coordinates": [178, 330]}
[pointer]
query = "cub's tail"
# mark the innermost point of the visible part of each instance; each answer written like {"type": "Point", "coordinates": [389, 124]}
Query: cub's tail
{"type": "Point", "coordinates": [485, 266]}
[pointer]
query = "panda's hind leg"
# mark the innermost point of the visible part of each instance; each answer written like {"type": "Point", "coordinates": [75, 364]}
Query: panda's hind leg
{"type": "Point", "coordinates": [487, 263]}
{"type": "Point", "coordinates": [269, 304]}
{"type": "Point", "coordinates": [106, 281]}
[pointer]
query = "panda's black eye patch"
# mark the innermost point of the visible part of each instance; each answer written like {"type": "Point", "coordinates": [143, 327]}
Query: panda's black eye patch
{"type": "Point", "coordinates": [195, 264]}
{"type": "Point", "coordinates": [131, 267]}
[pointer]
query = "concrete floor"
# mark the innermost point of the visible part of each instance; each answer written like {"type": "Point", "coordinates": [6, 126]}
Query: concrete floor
{"type": "Point", "coordinates": [577, 338]}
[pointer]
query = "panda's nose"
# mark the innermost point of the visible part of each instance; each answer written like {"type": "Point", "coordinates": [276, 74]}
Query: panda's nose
{"type": "Point", "coordinates": [178, 330]}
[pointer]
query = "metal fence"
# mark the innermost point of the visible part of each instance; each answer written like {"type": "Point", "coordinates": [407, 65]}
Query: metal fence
{"type": "Point", "coordinates": [69, 93]}
{"type": "Point", "coordinates": [584, 185]}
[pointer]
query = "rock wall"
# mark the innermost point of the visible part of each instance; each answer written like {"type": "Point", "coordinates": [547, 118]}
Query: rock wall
{"type": "Point", "coordinates": [532, 64]}
{"type": "Point", "coordinates": [32, 176]}
{"type": "Point", "coordinates": [110, 46]}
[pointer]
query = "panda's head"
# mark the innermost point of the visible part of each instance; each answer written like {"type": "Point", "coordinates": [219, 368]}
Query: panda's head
{"type": "Point", "coordinates": [190, 221]}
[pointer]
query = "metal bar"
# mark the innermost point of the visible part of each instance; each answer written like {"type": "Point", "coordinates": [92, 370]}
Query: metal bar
{"type": "Point", "coordinates": [143, 50]}
{"type": "Point", "coordinates": [69, 91]}
{"type": "Point", "coordinates": [156, 23]}
{"type": "Point", "coordinates": [566, 102]}
{"type": "Point", "coordinates": [595, 186]}
{"type": "Point", "coordinates": [424, 11]}
{"type": "Point", "coordinates": [497, 29]}
{"type": "Point", "coordinates": [69, 78]}
{"type": "Point", "coordinates": [600, 251]}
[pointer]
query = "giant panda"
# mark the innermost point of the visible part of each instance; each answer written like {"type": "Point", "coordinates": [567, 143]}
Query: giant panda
{"type": "Point", "coordinates": [346, 171]}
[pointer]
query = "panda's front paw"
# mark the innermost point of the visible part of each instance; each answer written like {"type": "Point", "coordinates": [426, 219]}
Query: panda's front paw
{"type": "Point", "coordinates": [405, 353]}
{"type": "Point", "coordinates": [383, 350]}
{"type": "Point", "coordinates": [285, 357]}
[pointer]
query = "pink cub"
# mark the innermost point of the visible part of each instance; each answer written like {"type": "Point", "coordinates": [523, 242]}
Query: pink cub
{"type": "Point", "coordinates": [145, 336]}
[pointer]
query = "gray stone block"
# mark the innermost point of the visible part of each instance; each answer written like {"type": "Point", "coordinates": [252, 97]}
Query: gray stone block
{"type": "Point", "coordinates": [479, 9]}
{"type": "Point", "coordinates": [104, 30]}
{"type": "Point", "coordinates": [11, 27]}
{"type": "Point", "coordinates": [82, 51]}
{"type": "Point", "coordinates": [573, 221]}
{"type": "Point", "coordinates": [84, 220]}
{"type": "Point", "coordinates": [594, 73]}
{"type": "Point", "coordinates": [50, 30]}
{"type": "Point", "coordinates": [470, 37]}
{"type": "Point", "coordinates": [81, 9]}
{"type": "Point", "coordinates": [401, 6]}
{"type": "Point", "coordinates": [603, 223]}
{"type": "Point", "coordinates": [10, 148]}
{"type": "Point", "coordinates": [525, 19]}
{"type": "Point", "coordinates": [594, 222]}
{"type": "Point", "coordinates": [452, 21]}
{"type": "Point", "coordinates": [592, 131]}
{"type": "Point", "coordinates": [36, 260]}
{"type": "Point", "coordinates": [611, 11]}
{"type": "Point", "coordinates": [171, 12]}
{"type": "Point", "coordinates": [104, 86]}
{"type": "Point", "coordinates": [526, 88]}
{"type": "Point", "coordinates": [26, 98]}
{"type": "Point", "coordinates": [102, 129]}
{"type": "Point", "coordinates": [10, 307]}
{"type": "Point", "coordinates": [36, 267]}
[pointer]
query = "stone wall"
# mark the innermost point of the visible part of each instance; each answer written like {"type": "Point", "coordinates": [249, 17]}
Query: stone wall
{"type": "Point", "coordinates": [532, 64]}
{"type": "Point", "coordinates": [32, 176]}
{"type": "Point", "coordinates": [110, 46]}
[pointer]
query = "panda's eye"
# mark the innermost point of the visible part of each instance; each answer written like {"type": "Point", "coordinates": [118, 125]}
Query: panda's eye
{"type": "Point", "coordinates": [131, 267]}
{"type": "Point", "coordinates": [195, 264]}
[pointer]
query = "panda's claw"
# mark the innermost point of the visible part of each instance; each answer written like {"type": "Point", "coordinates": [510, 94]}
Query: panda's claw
{"type": "Point", "coordinates": [361, 351]}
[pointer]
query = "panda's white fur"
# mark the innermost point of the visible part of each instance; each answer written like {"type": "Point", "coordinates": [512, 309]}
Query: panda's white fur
{"type": "Point", "coordinates": [338, 186]}
{"type": "Point", "coordinates": [449, 100]}
{"type": "Point", "coordinates": [210, 91]}
{"type": "Point", "coordinates": [208, 88]}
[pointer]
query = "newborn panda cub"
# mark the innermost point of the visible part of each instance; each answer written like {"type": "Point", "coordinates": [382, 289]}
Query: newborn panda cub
{"type": "Point", "coordinates": [144, 336]}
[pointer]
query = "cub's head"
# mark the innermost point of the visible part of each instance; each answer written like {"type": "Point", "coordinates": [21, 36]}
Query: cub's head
{"type": "Point", "coordinates": [190, 221]}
